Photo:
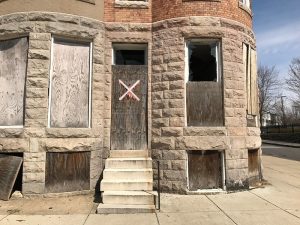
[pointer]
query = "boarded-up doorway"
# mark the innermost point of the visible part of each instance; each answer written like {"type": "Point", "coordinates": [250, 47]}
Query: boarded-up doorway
{"type": "Point", "coordinates": [129, 107]}
{"type": "Point", "coordinates": [205, 170]}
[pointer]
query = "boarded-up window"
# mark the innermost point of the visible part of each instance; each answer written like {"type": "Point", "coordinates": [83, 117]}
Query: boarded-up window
{"type": "Point", "coordinates": [253, 166]}
{"type": "Point", "coordinates": [67, 171]}
{"type": "Point", "coordinates": [205, 170]}
{"type": "Point", "coordinates": [204, 95]}
{"type": "Point", "coordinates": [250, 68]}
{"type": "Point", "coordinates": [69, 105]}
{"type": "Point", "coordinates": [13, 62]}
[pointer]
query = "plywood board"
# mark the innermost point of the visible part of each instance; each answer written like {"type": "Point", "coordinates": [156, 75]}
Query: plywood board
{"type": "Point", "coordinates": [129, 115]}
{"type": "Point", "coordinates": [253, 166]}
{"type": "Point", "coordinates": [13, 58]}
{"type": "Point", "coordinates": [9, 169]}
{"type": "Point", "coordinates": [204, 170]}
{"type": "Point", "coordinates": [204, 102]}
{"type": "Point", "coordinates": [67, 171]}
{"type": "Point", "coordinates": [70, 85]}
{"type": "Point", "coordinates": [254, 87]}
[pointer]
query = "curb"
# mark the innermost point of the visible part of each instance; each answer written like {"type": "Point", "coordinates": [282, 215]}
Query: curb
{"type": "Point", "coordinates": [286, 144]}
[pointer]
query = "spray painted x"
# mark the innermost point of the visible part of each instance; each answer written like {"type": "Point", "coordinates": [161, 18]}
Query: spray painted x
{"type": "Point", "coordinates": [129, 91]}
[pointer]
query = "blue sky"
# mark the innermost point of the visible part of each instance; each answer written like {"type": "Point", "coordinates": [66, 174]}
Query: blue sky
{"type": "Point", "coordinates": [277, 28]}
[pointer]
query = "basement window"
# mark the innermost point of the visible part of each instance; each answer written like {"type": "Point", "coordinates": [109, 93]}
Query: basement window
{"type": "Point", "coordinates": [204, 90]}
{"type": "Point", "coordinates": [206, 170]}
{"type": "Point", "coordinates": [254, 172]}
{"type": "Point", "coordinates": [130, 54]}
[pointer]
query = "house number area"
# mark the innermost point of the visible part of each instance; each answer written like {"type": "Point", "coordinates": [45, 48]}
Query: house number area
{"type": "Point", "coordinates": [129, 92]}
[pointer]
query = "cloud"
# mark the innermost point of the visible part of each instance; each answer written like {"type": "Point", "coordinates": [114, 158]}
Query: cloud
{"type": "Point", "coordinates": [287, 36]}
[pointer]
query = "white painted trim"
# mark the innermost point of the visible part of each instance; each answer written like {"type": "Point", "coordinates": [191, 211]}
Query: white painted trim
{"type": "Point", "coordinates": [186, 78]}
{"type": "Point", "coordinates": [13, 127]}
{"type": "Point", "coordinates": [50, 82]}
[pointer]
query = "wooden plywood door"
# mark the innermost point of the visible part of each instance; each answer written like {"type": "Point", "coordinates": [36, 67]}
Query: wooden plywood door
{"type": "Point", "coordinates": [67, 171]}
{"type": "Point", "coordinates": [129, 114]}
{"type": "Point", "coordinates": [253, 166]}
{"type": "Point", "coordinates": [13, 63]}
{"type": "Point", "coordinates": [70, 85]}
{"type": "Point", "coordinates": [204, 104]}
{"type": "Point", "coordinates": [204, 170]}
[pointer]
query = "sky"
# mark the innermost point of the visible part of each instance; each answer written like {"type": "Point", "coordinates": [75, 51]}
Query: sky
{"type": "Point", "coordinates": [277, 29]}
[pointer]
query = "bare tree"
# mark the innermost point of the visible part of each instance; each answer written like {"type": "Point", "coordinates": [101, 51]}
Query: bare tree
{"type": "Point", "coordinates": [293, 81]}
{"type": "Point", "coordinates": [268, 85]}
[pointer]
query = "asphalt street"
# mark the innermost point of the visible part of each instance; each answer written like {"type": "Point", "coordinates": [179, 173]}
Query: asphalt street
{"type": "Point", "coordinates": [281, 152]}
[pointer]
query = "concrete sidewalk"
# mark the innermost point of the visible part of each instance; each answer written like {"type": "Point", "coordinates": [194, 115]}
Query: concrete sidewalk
{"type": "Point", "coordinates": [274, 204]}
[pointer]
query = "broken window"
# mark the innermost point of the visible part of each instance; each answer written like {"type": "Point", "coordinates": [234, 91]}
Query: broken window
{"type": "Point", "coordinates": [70, 89]}
{"type": "Point", "coordinates": [250, 70]}
{"type": "Point", "coordinates": [245, 3]}
{"type": "Point", "coordinates": [13, 58]}
{"type": "Point", "coordinates": [206, 170]}
{"type": "Point", "coordinates": [130, 54]}
{"type": "Point", "coordinates": [204, 95]}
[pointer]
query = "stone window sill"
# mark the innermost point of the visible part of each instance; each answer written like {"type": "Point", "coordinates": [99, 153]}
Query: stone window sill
{"type": "Point", "coordinates": [132, 4]}
{"type": "Point", "coordinates": [245, 8]}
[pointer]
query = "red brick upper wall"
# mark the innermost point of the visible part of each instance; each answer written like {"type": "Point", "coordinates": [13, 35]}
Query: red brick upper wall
{"type": "Point", "coordinates": [230, 9]}
{"type": "Point", "coordinates": [167, 9]}
{"type": "Point", "coordinates": [126, 14]}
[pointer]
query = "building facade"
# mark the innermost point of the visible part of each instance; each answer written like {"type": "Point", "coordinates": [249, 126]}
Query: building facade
{"type": "Point", "coordinates": [81, 79]}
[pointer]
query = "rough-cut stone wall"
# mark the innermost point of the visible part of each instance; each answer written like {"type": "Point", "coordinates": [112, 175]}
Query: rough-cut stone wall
{"type": "Point", "coordinates": [170, 136]}
{"type": "Point", "coordinates": [123, 33]}
{"type": "Point", "coordinates": [35, 138]}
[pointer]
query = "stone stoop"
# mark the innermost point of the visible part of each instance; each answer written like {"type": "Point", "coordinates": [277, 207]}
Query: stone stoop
{"type": "Point", "coordinates": [127, 185]}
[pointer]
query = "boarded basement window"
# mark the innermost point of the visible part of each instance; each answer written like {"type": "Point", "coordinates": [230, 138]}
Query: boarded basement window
{"type": "Point", "coordinates": [67, 171]}
{"type": "Point", "coordinates": [13, 58]}
{"type": "Point", "coordinates": [204, 95]}
{"type": "Point", "coordinates": [11, 172]}
{"type": "Point", "coordinates": [253, 167]}
{"type": "Point", "coordinates": [250, 68]}
{"type": "Point", "coordinates": [205, 170]}
{"type": "Point", "coordinates": [70, 89]}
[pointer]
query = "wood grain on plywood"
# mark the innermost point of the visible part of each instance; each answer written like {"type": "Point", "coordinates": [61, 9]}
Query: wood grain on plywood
{"type": "Point", "coordinates": [70, 85]}
{"type": "Point", "coordinates": [13, 58]}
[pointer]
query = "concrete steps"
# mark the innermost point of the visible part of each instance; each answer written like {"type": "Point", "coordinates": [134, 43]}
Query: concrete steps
{"type": "Point", "coordinates": [127, 183]}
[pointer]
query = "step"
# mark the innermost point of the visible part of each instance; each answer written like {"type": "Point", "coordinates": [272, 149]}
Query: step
{"type": "Point", "coordinates": [126, 185]}
{"type": "Point", "coordinates": [128, 197]}
{"type": "Point", "coordinates": [128, 163]}
{"type": "Point", "coordinates": [129, 153]}
{"type": "Point", "coordinates": [124, 209]}
{"type": "Point", "coordinates": [128, 174]}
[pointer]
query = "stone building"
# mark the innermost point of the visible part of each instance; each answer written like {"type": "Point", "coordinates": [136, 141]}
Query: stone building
{"type": "Point", "coordinates": [99, 91]}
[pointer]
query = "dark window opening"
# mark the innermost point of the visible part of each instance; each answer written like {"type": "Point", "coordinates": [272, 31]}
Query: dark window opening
{"type": "Point", "coordinates": [130, 57]}
{"type": "Point", "coordinates": [205, 170]}
{"type": "Point", "coordinates": [203, 62]}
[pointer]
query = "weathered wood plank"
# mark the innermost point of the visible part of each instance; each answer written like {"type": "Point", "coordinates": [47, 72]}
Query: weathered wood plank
{"type": "Point", "coordinates": [70, 85]}
{"type": "Point", "coordinates": [254, 88]}
{"type": "Point", "coordinates": [204, 170]}
{"type": "Point", "coordinates": [253, 166]}
{"type": "Point", "coordinates": [9, 169]}
{"type": "Point", "coordinates": [204, 104]}
{"type": "Point", "coordinates": [67, 171]}
{"type": "Point", "coordinates": [13, 58]}
{"type": "Point", "coordinates": [129, 116]}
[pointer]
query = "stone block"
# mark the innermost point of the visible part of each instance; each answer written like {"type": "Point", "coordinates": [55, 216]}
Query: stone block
{"type": "Point", "coordinates": [174, 155]}
{"type": "Point", "coordinates": [171, 132]}
{"type": "Point", "coordinates": [177, 121]}
{"type": "Point", "coordinates": [33, 188]}
{"type": "Point", "coordinates": [11, 132]}
{"type": "Point", "coordinates": [253, 142]}
{"type": "Point", "coordinates": [34, 167]}
{"type": "Point", "coordinates": [173, 175]}
{"type": "Point", "coordinates": [204, 131]}
{"type": "Point", "coordinates": [14, 144]}
{"type": "Point", "coordinates": [173, 112]}
{"type": "Point", "coordinates": [236, 164]}
{"type": "Point", "coordinates": [163, 143]}
{"type": "Point", "coordinates": [34, 177]}
{"type": "Point", "coordinates": [202, 143]}
{"type": "Point", "coordinates": [160, 122]}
